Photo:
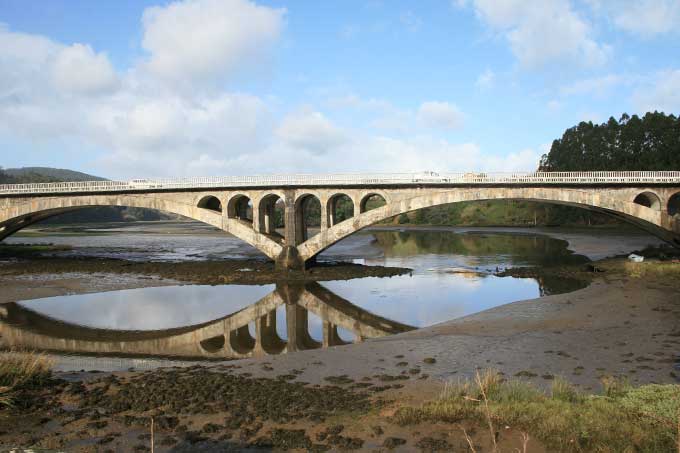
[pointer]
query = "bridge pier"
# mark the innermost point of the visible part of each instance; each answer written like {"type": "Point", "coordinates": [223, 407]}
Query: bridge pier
{"type": "Point", "coordinates": [289, 259]}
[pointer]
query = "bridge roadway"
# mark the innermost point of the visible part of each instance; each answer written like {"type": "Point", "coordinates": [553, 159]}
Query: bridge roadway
{"type": "Point", "coordinates": [252, 208]}
{"type": "Point", "coordinates": [227, 337]}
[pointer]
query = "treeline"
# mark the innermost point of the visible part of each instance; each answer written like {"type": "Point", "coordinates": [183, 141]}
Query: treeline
{"type": "Point", "coordinates": [631, 143]}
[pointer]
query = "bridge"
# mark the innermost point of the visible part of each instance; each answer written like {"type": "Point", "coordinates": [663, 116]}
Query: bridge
{"type": "Point", "coordinates": [226, 338]}
{"type": "Point", "coordinates": [269, 212]}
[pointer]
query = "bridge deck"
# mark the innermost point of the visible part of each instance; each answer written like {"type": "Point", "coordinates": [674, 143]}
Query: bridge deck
{"type": "Point", "coordinates": [339, 180]}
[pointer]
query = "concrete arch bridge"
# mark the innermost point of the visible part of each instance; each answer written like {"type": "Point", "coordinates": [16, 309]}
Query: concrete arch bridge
{"type": "Point", "coordinates": [269, 212]}
{"type": "Point", "coordinates": [227, 337]}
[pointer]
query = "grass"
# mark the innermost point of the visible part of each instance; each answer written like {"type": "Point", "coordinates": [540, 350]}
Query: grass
{"type": "Point", "coordinates": [621, 419]}
{"type": "Point", "coordinates": [19, 370]}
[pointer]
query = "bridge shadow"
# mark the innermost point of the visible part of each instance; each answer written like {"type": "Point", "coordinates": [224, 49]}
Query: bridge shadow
{"type": "Point", "coordinates": [249, 332]}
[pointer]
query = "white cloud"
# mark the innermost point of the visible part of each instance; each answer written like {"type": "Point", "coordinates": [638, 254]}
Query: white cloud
{"type": "Point", "coordinates": [139, 125]}
{"type": "Point", "coordinates": [441, 115]}
{"type": "Point", "coordinates": [485, 80]}
{"type": "Point", "coordinates": [661, 92]}
{"type": "Point", "coordinates": [409, 20]}
{"type": "Point", "coordinates": [554, 105]}
{"type": "Point", "coordinates": [55, 93]}
{"type": "Point", "coordinates": [595, 85]}
{"type": "Point", "coordinates": [643, 17]}
{"type": "Point", "coordinates": [543, 31]}
{"type": "Point", "coordinates": [207, 40]}
{"type": "Point", "coordinates": [79, 69]}
{"type": "Point", "coordinates": [310, 130]}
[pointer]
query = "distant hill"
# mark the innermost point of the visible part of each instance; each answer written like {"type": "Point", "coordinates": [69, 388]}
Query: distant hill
{"type": "Point", "coordinates": [47, 174]}
{"type": "Point", "coordinates": [27, 175]}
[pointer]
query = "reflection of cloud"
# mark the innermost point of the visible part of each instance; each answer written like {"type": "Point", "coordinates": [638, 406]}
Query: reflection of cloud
{"type": "Point", "coordinates": [427, 299]}
{"type": "Point", "coordinates": [150, 308]}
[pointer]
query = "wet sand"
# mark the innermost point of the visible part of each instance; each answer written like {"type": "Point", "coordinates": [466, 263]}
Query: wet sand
{"type": "Point", "coordinates": [618, 326]}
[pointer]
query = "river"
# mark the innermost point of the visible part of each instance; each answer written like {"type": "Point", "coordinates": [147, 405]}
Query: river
{"type": "Point", "coordinates": [452, 276]}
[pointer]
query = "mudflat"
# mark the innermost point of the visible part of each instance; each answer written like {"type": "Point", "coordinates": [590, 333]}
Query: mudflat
{"type": "Point", "coordinates": [625, 323]}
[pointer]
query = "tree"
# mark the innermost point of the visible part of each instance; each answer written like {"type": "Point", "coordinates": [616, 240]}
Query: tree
{"type": "Point", "coordinates": [631, 143]}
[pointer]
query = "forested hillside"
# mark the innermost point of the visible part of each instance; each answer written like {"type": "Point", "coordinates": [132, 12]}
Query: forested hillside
{"type": "Point", "coordinates": [28, 175]}
{"type": "Point", "coordinates": [631, 143]}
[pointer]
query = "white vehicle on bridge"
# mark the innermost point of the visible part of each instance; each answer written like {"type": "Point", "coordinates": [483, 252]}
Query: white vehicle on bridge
{"type": "Point", "coordinates": [429, 176]}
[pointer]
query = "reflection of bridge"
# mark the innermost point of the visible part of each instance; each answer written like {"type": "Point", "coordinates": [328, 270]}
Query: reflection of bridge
{"type": "Point", "coordinates": [228, 337]}
{"type": "Point", "coordinates": [252, 208]}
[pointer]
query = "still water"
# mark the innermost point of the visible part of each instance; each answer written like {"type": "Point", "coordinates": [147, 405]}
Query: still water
{"type": "Point", "coordinates": [452, 277]}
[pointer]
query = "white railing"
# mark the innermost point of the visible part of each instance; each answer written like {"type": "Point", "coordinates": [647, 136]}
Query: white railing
{"type": "Point", "coordinates": [376, 179]}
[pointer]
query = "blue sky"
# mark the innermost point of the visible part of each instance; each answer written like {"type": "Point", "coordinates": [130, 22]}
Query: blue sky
{"type": "Point", "coordinates": [127, 89]}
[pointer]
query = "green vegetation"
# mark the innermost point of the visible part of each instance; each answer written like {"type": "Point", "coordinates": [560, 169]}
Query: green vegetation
{"type": "Point", "coordinates": [19, 371]}
{"type": "Point", "coordinates": [631, 143]}
{"type": "Point", "coordinates": [503, 213]}
{"type": "Point", "coordinates": [623, 418]}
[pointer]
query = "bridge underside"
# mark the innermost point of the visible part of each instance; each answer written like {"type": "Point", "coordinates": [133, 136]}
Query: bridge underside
{"type": "Point", "coordinates": [274, 221]}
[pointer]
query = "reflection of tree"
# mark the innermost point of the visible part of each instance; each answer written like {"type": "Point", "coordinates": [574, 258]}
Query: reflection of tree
{"type": "Point", "coordinates": [516, 248]}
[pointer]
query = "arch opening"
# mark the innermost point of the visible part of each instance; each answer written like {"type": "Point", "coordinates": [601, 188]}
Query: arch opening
{"type": "Point", "coordinates": [371, 201]}
{"type": "Point", "coordinates": [241, 340]}
{"type": "Point", "coordinates": [608, 208]}
{"type": "Point", "coordinates": [240, 207]}
{"type": "Point", "coordinates": [347, 336]}
{"type": "Point", "coordinates": [648, 200]}
{"type": "Point", "coordinates": [211, 203]}
{"type": "Point", "coordinates": [340, 208]}
{"type": "Point", "coordinates": [272, 215]}
{"type": "Point", "coordinates": [308, 218]}
{"type": "Point", "coordinates": [214, 344]}
{"type": "Point", "coordinates": [123, 209]}
{"type": "Point", "coordinates": [674, 205]}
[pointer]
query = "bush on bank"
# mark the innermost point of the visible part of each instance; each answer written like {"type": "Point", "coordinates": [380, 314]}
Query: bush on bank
{"type": "Point", "coordinates": [622, 419]}
{"type": "Point", "coordinates": [21, 370]}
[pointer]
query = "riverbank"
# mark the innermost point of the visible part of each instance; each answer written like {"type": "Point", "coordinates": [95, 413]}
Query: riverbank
{"type": "Point", "coordinates": [625, 325]}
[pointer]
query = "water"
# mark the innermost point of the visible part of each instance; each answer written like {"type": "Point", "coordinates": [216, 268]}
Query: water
{"type": "Point", "coordinates": [452, 277]}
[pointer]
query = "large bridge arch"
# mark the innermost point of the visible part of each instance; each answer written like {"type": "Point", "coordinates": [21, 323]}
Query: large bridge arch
{"type": "Point", "coordinates": [17, 216]}
{"type": "Point", "coordinates": [651, 219]}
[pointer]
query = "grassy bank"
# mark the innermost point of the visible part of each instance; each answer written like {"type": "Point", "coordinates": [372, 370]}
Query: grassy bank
{"type": "Point", "coordinates": [621, 419]}
{"type": "Point", "coordinates": [20, 371]}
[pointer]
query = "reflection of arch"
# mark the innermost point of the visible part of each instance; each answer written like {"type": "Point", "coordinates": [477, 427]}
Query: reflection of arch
{"type": "Point", "coordinates": [611, 204]}
{"type": "Point", "coordinates": [270, 342]}
{"type": "Point", "coordinates": [308, 214]}
{"type": "Point", "coordinates": [227, 337]}
{"type": "Point", "coordinates": [372, 201]}
{"type": "Point", "coordinates": [240, 207]}
{"type": "Point", "coordinates": [674, 204]}
{"type": "Point", "coordinates": [340, 207]}
{"type": "Point", "coordinates": [241, 341]}
{"type": "Point", "coordinates": [18, 216]}
{"type": "Point", "coordinates": [648, 200]}
{"type": "Point", "coordinates": [214, 344]}
{"type": "Point", "coordinates": [210, 202]}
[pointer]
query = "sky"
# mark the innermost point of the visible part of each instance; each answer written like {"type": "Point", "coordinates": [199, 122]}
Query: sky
{"type": "Point", "coordinates": [133, 89]}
